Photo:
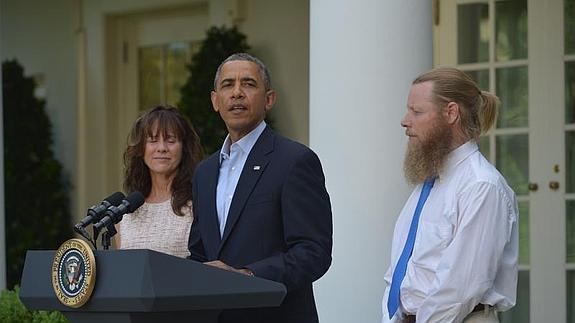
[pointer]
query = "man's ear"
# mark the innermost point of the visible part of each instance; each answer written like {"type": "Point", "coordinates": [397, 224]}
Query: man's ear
{"type": "Point", "coordinates": [451, 112]}
{"type": "Point", "coordinates": [214, 97]}
{"type": "Point", "coordinates": [271, 96]}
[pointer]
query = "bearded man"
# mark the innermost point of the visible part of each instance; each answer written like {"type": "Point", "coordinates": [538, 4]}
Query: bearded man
{"type": "Point", "coordinates": [455, 244]}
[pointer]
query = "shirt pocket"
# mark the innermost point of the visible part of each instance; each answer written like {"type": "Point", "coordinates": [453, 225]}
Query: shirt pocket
{"type": "Point", "coordinates": [431, 240]}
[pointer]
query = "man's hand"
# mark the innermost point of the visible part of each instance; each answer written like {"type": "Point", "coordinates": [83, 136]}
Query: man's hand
{"type": "Point", "coordinates": [221, 265]}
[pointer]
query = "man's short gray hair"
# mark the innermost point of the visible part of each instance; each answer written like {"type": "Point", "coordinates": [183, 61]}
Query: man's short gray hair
{"type": "Point", "coordinates": [264, 73]}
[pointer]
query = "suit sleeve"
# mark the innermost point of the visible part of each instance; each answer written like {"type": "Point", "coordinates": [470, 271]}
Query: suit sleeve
{"type": "Point", "coordinates": [195, 245]}
{"type": "Point", "coordinates": [307, 225]}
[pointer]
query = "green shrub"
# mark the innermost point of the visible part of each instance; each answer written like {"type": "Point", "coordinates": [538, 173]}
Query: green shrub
{"type": "Point", "coordinates": [13, 311]}
{"type": "Point", "coordinates": [220, 42]}
{"type": "Point", "coordinates": [36, 200]}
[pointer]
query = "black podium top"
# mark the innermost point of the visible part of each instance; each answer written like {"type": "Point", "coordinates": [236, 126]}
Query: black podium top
{"type": "Point", "coordinates": [149, 281]}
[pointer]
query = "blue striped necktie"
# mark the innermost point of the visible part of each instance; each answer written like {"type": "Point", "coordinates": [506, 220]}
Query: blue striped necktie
{"type": "Point", "coordinates": [401, 267]}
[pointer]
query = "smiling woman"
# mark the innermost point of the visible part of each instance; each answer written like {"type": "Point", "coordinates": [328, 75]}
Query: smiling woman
{"type": "Point", "coordinates": [162, 153]}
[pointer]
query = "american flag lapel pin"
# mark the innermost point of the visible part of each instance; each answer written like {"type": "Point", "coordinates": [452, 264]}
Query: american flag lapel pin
{"type": "Point", "coordinates": [257, 167]}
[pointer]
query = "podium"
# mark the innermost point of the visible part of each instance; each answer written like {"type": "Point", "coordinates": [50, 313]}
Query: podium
{"type": "Point", "coordinates": [147, 286]}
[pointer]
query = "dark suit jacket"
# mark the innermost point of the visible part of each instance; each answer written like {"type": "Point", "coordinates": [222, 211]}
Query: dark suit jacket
{"type": "Point", "coordinates": [279, 224]}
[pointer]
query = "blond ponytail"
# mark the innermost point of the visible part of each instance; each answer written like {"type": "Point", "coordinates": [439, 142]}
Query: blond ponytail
{"type": "Point", "coordinates": [487, 110]}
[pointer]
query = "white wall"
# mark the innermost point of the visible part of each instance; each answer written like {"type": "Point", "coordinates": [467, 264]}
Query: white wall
{"type": "Point", "coordinates": [96, 132]}
{"type": "Point", "coordinates": [363, 56]}
{"type": "Point", "coordinates": [40, 35]}
{"type": "Point", "coordinates": [278, 32]}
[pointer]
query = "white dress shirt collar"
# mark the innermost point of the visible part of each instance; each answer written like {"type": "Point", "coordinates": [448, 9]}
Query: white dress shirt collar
{"type": "Point", "coordinates": [246, 143]}
{"type": "Point", "coordinates": [458, 155]}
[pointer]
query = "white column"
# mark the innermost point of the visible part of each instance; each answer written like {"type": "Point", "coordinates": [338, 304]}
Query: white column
{"type": "Point", "coordinates": [364, 55]}
{"type": "Point", "coordinates": [547, 220]}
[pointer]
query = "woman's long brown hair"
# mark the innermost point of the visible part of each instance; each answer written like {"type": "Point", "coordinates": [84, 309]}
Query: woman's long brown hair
{"type": "Point", "coordinates": [136, 173]}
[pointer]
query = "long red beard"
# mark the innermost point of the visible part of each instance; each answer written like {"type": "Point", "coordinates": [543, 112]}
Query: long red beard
{"type": "Point", "coordinates": [426, 155]}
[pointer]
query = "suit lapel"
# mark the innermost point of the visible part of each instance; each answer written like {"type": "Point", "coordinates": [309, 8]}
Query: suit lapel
{"type": "Point", "coordinates": [211, 218]}
{"type": "Point", "coordinates": [254, 167]}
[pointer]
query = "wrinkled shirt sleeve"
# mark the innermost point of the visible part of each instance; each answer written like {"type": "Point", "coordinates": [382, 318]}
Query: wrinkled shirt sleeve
{"type": "Point", "coordinates": [470, 262]}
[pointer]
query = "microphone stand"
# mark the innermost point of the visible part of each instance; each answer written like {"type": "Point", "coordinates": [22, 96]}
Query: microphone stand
{"type": "Point", "coordinates": [95, 234]}
{"type": "Point", "coordinates": [81, 231]}
{"type": "Point", "coordinates": [107, 235]}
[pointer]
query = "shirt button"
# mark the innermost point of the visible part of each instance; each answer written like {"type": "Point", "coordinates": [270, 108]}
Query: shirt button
{"type": "Point", "coordinates": [234, 168]}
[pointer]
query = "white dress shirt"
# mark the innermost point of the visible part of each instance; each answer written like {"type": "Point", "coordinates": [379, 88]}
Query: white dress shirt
{"type": "Point", "coordinates": [232, 160]}
{"type": "Point", "coordinates": [466, 248]}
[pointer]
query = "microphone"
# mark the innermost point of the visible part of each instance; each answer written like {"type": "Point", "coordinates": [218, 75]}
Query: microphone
{"type": "Point", "coordinates": [95, 213]}
{"type": "Point", "coordinates": [114, 214]}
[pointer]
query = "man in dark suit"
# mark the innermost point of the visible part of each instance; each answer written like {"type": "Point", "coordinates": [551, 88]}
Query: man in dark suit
{"type": "Point", "coordinates": [260, 203]}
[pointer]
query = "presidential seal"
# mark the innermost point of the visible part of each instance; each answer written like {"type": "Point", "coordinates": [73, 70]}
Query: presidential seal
{"type": "Point", "coordinates": [74, 273]}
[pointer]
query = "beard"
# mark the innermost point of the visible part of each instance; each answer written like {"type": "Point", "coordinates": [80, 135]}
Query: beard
{"type": "Point", "coordinates": [426, 155]}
